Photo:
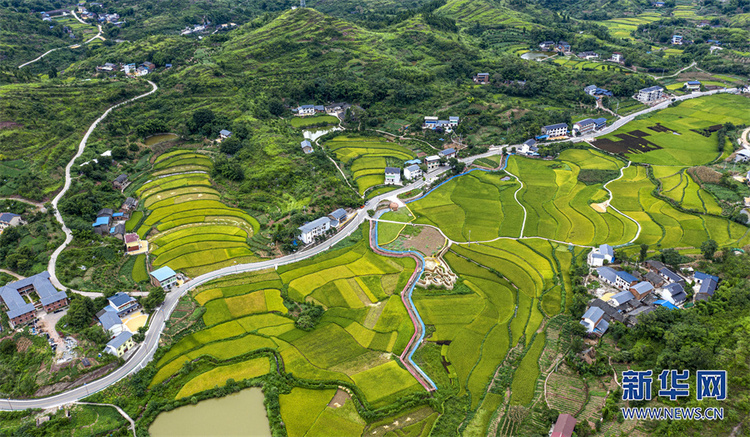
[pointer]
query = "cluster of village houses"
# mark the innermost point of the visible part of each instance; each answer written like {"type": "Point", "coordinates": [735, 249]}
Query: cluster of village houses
{"type": "Point", "coordinates": [623, 296]}
{"type": "Point", "coordinates": [564, 48]}
{"type": "Point", "coordinates": [335, 109]}
{"type": "Point", "coordinates": [130, 70]}
{"type": "Point", "coordinates": [205, 28]}
{"type": "Point", "coordinates": [84, 14]}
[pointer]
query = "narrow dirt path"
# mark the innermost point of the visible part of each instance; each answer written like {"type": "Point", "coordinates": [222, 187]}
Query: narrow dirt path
{"type": "Point", "coordinates": [72, 46]}
{"type": "Point", "coordinates": [119, 410]}
{"type": "Point", "coordinates": [38, 205]}
{"type": "Point", "coordinates": [14, 274]}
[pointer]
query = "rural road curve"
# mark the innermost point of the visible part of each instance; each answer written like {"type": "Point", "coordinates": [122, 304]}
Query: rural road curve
{"type": "Point", "coordinates": [145, 351]}
{"type": "Point", "coordinates": [66, 187]}
{"type": "Point", "coordinates": [72, 46]}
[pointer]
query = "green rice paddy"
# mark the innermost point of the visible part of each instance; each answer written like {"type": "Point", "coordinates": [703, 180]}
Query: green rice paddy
{"type": "Point", "coordinates": [188, 227]}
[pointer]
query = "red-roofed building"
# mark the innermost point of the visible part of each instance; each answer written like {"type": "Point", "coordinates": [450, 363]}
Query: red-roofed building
{"type": "Point", "coordinates": [132, 242]}
{"type": "Point", "coordinates": [564, 426]}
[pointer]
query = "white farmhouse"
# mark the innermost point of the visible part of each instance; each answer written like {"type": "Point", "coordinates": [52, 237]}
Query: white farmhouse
{"type": "Point", "coordinates": [313, 229]}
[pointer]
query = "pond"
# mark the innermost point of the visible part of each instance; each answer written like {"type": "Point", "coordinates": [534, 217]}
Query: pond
{"type": "Point", "coordinates": [535, 56]}
{"type": "Point", "coordinates": [239, 414]}
{"type": "Point", "coordinates": [313, 135]}
{"type": "Point", "coordinates": [156, 139]}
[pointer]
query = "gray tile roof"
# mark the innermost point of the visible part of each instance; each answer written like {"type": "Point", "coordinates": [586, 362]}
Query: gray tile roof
{"type": "Point", "coordinates": [307, 227]}
{"type": "Point", "coordinates": [708, 286]}
{"type": "Point", "coordinates": [643, 287]}
{"type": "Point", "coordinates": [120, 339]}
{"type": "Point", "coordinates": [607, 273]}
{"type": "Point", "coordinates": [622, 297]}
{"type": "Point", "coordinates": [593, 314]}
{"type": "Point", "coordinates": [392, 170]}
{"type": "Point", "coordinates": [120, 299]}
{"type": "Point", "coordinates": [108, 319]}
{"type": "Point", "coordinates": [6, 217]}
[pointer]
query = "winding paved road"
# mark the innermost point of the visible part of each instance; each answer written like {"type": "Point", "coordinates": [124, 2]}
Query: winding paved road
{"type": "Point", "coordinates": [145, 352]}
{"type": "Point", "coordinates": [66, 187]}
{"type": "Point", "coordinates": [72, 46]}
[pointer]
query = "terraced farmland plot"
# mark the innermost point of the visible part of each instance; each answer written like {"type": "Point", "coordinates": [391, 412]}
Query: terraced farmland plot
{"type": "Point", "coordinates": [682, 188]}
{"type": "Point", "coordinates": [646, 140]}
{"type": "Point", "coordinates": [368, 157]}
{"type": "Point", "coordinates": [478, 205]}
{"type": "Point", "coordinates": [665, 226]}
{"type": "Point", "coordinates": [558, 204]}
{"type": "Point", "coordinates": [246, 313]}
{"type": "Point", "coordinates": [191, 229]}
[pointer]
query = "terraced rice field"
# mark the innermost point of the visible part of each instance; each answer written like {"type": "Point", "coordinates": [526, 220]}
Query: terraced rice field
{"type": "Point", "coordinates": [367, 158]}
{"type": "Point", "coordinates": [622, 27]}
{"type": "Point", "coordinates": [679, 143]}
{"type": "Point", "coordinates": [679, 186]}
{"type": "Point", "coordinates": [665, 226]}
{"type": "Point", "coordinates": [479, 206]}
{"type": "Point", "coordinates": [482, 326]}
{"type": "Point", "coordinates": [365, 325]}
{"type": "Point", "coordinates": [558, 204]}
{"type": "Point", "coordinates": [187, 225]}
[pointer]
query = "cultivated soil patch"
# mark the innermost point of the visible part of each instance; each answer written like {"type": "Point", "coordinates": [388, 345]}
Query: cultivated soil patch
{"type": "Point", "coordinates": [339, 399]}
{"type": "Point", "coordinates": [425, 240]}
{"type": "Point", "coordinates": [631, 142]}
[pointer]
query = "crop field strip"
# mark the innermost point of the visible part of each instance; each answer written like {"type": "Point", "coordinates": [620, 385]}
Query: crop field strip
{"type": "Point", "coordinates": [195, 231]}
{"type": "Point", "coordinates": [244, 314]}
{"type": "Point", "coordinates": [559, 205]}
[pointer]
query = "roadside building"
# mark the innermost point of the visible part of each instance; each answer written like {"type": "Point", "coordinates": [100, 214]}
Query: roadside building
{"type": "Point", "coordinates": [306, 147]}
{"type": "Point", "coordinates": [693, 85]}
{"type": "Point", "coordinates": [529, 148]}
{"type": "Point", "coordinates": [432, 162]}
{"type": "Point", "coordinates": [122, 304]}
{"type": "Point", "coordinates": [120, 344]}
{"type": "Point", "coordinates": [590, 89]}
{"type": "Point", "coordinates": [584, 126]}
{"type": "Point", "coordinates": [164, 277]}
{"type": "Point", "coordinates": [110, 321]}
{"type": "Point", "coordinates": [448, 153]}
{"type": "Point", "coordinates": [599, 255]}
{"type": "Point", "coordinates": [412, 172]}
{"type": "Point", "coordinates": [617, 57]}
{"type": "Point", "coordinates": [650, 94]}
{"type": "Point", "coordinates": [315, 228]}
{"type": "Point", "coordinates": [555, 130]}
{"type": "Point", "coordinates": [392, 176]}
{"type": "Point", "coordinates": [50, 299]}
{"type": "Point", "coordinates": [338, 217]}
{"type": "Point", "coordinates": [120, 182]}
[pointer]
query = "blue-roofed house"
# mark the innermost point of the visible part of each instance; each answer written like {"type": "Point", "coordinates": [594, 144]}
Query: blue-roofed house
{"type": "Point", "coordinates": [305, 110]}
{"type": "Point", "coordinates": [306, 147]}
{"type": "Point", "coordinates": [337, 217]}
{"type": "Point", "coordinates": [673, 293]}
{"type": "Point", "coordinates": [590, 89]}
{"type": "Point", "coordinates": [448, 153]}
{"type": "Point", "coordinates": [677, 40]}
{"type": "Point", "coordinates": [699, 277]}
{"type": "Point", "coordinates": [165, 278]}
{"type": "Point", "coordinates": [708, 287]}
{"type": "Point", "coordinates": [693, 85]}
{"type": "Point", "coordinates": [650, 94]}
{"type": "Point", "coordinates": [412, 172]}
{"type": "Point", "coordinates": [641, 289]}
{"type": "Point", "coordinates": [625, 280]}
{"type": "Point", "coordinates": [416, 161]}
{"type": "Point", "coordinates": [599, 255]}
{"type": "Point", "coordinates": [607, 274]}
{"type": "Point", "coordinates": [555, 130]}
{"type": "Point", "coordinates": [315, 228]}
{"type": "Point", "coordinates": [8, 219]}
{"type": "Point", "coordinates": [224, 134]}
{"type": "Point", "coordinates": [600, 123]}
{"type": "Point", "coordinates": [110, 321]}
{"type": "Point", "coordinates": [120, 344]}
{"type": "Point", "coordinates": [122, 304]}
{"type": "Point", "coordinates": [665, 304]}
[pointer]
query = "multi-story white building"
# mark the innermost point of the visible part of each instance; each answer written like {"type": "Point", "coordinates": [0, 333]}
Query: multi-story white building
{"type": "Point", "coordinates": [412, 172]}
{"type": "Point", "coordinates": [650, 94]}
{"type": "Point", "coordinates": [313, 229]}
